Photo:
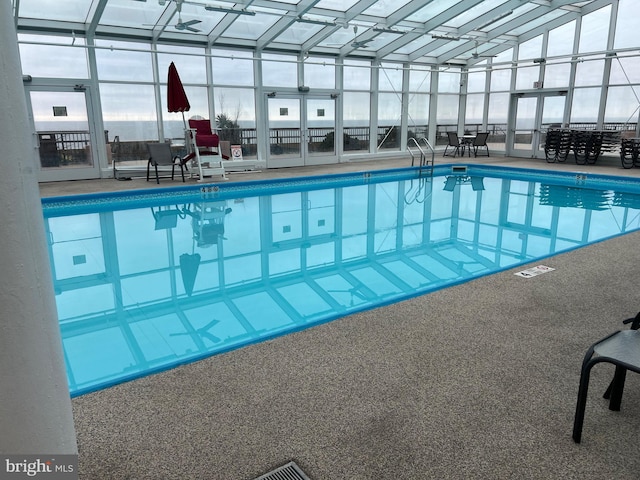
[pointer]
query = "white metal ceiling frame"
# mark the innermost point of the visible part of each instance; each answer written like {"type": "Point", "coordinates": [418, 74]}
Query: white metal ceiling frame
{"type": "Point", "coordinates": [372, 28]}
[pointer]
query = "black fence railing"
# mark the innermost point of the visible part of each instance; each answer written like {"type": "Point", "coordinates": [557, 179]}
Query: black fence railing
{"type": "Point", "coordinates": [321, 139]}
{"type": "Point", "coordinates": [58, 149]}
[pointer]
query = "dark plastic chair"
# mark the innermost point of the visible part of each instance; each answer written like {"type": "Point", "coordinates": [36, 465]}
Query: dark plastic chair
{"type": "Point", "coordinates": [160, 156]}
{"type": "Point", "coordinates": [621, 349]}
{"type": "Point", "coordinates": [480, 142]}
{"type": "Point", "coordinates": [454, 142]}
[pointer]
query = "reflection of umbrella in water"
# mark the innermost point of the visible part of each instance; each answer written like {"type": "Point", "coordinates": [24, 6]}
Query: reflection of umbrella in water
{"type": "Point", "coordinates": [177, 100]}
{"type": "Point", "coordinates": [189, 264]}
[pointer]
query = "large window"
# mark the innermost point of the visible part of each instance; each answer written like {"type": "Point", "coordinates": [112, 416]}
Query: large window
{"type": "Point", "coordinates": [232, 67]}
{"type": "Point", "coordinates": [236, 118]}
{"type": "Point", "coordinates": [584, 110]}
{"type": "Point", "coordinates": [52, 60]}
{"type": "Point", "coordinates": [129, 112]}
{"type": "Point", "coordinates": [627, 24]}
{"type": "Point", "coordinates": [389, 106]}
{"type": "Point", "coordinates": [356, 101]}
{"type": "Point", "coordinates": [419, 87]}
{"type": "Point", "coordinates": [557, 75]}
{"type": "Point", "coordinates": [124, 61]}
{"type": "Point", "coordinates": [279, 71]}
{"type": "Point", "coordinates": [589, 72]}
{"type": "Point", "coordinates": [595, 30]}
{"type": "Point", "coordinates": [561, 40]}
{"type": "Point", "coordinates": [320, 73]}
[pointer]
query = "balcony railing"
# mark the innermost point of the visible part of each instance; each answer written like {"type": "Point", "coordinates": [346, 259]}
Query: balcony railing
{"type": "Point", "coordinates": [287, 140]}
{"type": "Point", "coordinates": [59, 149]}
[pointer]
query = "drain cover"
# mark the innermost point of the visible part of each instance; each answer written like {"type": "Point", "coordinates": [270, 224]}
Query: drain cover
{"type": "Point", "coordinates": [290, 471]}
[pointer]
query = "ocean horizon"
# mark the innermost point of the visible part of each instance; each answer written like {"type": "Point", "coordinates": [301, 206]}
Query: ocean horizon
{"type": "Point", "coordinates": [144, 130]}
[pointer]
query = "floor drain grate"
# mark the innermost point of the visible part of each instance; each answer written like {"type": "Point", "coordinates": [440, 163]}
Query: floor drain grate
{"type": "Point", "coordinates": [290, 471]}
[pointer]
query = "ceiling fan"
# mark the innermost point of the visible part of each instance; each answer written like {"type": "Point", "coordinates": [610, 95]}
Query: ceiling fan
{"type": "Point", "coordinates": [475, 53]}
{"type": "Point", "coordinates": [188, 25]}
{"type": "Point", "coordinates": [356, 43]}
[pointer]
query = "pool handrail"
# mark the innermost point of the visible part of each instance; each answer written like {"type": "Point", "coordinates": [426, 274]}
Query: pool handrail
{"type": "Point", "coordinates": [424, 161]}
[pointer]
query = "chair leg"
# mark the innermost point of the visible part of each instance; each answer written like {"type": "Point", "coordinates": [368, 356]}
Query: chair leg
{"type": "Point", "coordinates": [157, 176]}
{"type": "Point", "coordinates": [582, 402]}
{"type": "Point", "coordinates": [148, 165]}
{"type": "Point", "coordinates": [617, 387]}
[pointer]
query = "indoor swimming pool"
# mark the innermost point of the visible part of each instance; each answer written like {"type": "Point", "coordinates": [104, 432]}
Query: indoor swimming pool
{"type": "Point", "coordinates": [149, 280]}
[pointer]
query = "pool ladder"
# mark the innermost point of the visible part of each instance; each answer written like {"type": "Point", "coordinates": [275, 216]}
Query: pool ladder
{"type": "Point", "coordinates": [416, 150]}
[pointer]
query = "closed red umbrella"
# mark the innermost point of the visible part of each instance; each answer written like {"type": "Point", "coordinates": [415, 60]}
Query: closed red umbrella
{"type": "Point", "coordinates": [177, 100]}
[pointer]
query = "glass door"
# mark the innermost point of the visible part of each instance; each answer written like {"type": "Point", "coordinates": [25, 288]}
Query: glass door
{"type": "Point", "coordinates": [301, 130]}
{"type": "Point", "coordinates": [285, 132]}
{"type": "Point", "coordinates": [320, 115]}
{"type": "Point", "coordinates": [524, 125]}
{"type": "Point", "coordinates": [551, 115]}
{"type": "Point", "coordinates": [531, 116]}
{"type": "Point", "coordinates": [65, 141]}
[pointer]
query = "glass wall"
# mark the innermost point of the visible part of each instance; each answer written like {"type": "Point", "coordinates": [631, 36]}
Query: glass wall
{"type": "Point", "coordinates": [356, 101]}
{"type": "Point", "coordinates": [389, 106]}
{"type": "Point", "coordinates": [419, 88]}
{"type": "Point", "coordinates": [599, 70]}
{"type": "Point", "coordinates": [448, 98]}
{"type": "Point", "coordinates": [234, 99]}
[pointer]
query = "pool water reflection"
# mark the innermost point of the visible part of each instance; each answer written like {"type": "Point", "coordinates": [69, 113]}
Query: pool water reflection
{"type": "Point", "coordinates": [147, 284]}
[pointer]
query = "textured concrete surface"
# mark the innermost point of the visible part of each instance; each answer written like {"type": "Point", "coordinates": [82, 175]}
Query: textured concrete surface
{"type": "Point", "coordinates": [474, 381]}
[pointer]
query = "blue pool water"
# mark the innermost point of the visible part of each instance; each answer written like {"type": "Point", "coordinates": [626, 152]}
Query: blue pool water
{"type": "Point", "coordinates": [151, 280]}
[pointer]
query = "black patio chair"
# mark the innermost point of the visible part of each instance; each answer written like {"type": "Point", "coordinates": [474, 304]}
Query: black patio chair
{"type": "Point", "coordinates": [480, 142]}
{"type": "Point", "coordinates": [454, 142]}
{"type": "Point", "coordinates": [160, 155]}
{"type": "Point", "coordinates": [622, 349]}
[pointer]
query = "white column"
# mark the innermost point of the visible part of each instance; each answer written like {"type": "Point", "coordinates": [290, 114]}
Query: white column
{"type": "Point", "coordinates": [35, 408]}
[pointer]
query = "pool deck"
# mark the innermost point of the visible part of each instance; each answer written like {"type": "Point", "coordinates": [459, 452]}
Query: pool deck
{"type": "Point", "coordinates": [109, 184]}
{"type": "Point", "coordinates": [475, 381]}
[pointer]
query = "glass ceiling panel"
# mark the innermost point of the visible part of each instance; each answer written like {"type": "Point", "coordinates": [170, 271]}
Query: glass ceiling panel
{"type": "Point", "coordinates": [431, 10]}
{"type": "Point", "coordinates": [298, 33]}
{"type": "Point", "coordinates": [414, 45]}
{"type": "Point", "coordinates": [337, 5]}
{"type": "Point", "coordinates": [447, 47]}
{"type": "Point", "coordinates": [338, 38]}
{"type": "Point", "coordinates": [65, 10]}
{"type": "Point", "coordinates": [249, 27]}
{"type": "Point", "coordinates": [145, 19]}
{"type": "Point", "coordinates": [516, 13]}
{"type": "Point", "coordinates": [474, 12]}
{"type": "Point", "coordinates": [127, 13]}
{"type": "Point", "coordinates": [384, 8]}
{"type": "Point", "coordinates": [537, 22]}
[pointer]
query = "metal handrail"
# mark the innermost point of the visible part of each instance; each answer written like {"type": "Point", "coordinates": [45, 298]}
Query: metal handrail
{"type": "Point", "coordinates": [423, 156]}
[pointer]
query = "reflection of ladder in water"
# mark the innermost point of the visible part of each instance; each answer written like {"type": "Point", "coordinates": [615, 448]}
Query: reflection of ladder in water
{"type": "Point", "coordinates": [416, 149]}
